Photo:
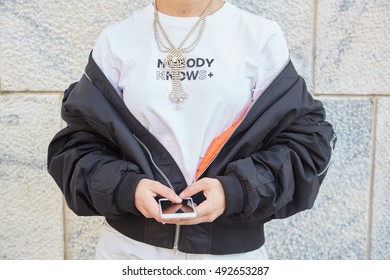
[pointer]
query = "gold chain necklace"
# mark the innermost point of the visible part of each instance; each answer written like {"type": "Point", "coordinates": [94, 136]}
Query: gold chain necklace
{"type": "Point", "coordinates": [176, 61]}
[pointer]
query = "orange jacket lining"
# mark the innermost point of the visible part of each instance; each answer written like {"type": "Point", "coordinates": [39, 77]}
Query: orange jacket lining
{"type": "Point", "coordinates": [214, 148]}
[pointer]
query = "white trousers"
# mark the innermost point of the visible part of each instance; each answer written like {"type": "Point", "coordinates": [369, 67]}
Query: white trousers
{"type": "Point", "coordinates": [113, 245]}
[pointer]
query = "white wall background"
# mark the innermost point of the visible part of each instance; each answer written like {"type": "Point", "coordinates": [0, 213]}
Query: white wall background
{"type": "Point", "coordinates": [341, 47]}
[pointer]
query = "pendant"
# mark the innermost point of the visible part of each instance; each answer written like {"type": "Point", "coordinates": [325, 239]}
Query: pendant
{"type": "Point", "coordinates": [176, 62]}
{"type": "Point", "coordinates": [178, 95]}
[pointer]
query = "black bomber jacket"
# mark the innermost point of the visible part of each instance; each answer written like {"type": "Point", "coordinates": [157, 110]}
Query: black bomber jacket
{"type": "Point", "coordinates": [271, 167]}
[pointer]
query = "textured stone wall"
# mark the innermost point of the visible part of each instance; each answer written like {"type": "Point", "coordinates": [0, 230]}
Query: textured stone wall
{"type": "Point", "coordinates": [341, 47]}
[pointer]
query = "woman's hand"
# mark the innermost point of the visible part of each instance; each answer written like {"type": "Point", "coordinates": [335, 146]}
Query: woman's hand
{"type": "Point", "coordinates": [145, 200]}
{"type": "Point", "coordinates": [212, 207]}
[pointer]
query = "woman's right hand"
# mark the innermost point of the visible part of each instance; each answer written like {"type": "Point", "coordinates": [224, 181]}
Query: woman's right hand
{"type": "Point", "coordinates": [145, 200]}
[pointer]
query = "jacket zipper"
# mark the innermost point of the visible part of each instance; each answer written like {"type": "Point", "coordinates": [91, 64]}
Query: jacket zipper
{"type": "Point", "coordinates": [177, 230]}
{"type": "Point", "coordinates": [154, 164]}
{"type": "Point", "coordinates": [331, 143]}
{"type": "Point", "coordinates": [149, 153]}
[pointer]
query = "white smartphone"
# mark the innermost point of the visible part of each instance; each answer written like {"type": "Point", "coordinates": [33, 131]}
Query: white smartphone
{"type": "Point", "coordinates": [170, 210]}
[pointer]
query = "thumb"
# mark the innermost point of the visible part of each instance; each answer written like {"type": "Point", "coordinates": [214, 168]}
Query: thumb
{"type": "Point", "coordinates": [191, 190]}
{"type": "Point", "coordinates": [167, 193]}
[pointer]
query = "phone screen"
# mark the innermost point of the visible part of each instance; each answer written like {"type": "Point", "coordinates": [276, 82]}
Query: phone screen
{"type": "Point", "coordinates": [186, 209]}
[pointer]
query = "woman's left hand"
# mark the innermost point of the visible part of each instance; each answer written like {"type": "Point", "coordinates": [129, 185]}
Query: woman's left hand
{"type": "Point", "coordinates": [212, 207]}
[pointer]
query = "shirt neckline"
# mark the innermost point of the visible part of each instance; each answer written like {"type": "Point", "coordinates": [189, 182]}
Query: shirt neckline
{"type": "Point", "coordinates": [185, 21]}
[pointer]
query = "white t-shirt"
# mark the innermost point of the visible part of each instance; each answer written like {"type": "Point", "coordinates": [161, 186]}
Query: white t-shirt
{"type": "Point", "coordinates": [237, 57]}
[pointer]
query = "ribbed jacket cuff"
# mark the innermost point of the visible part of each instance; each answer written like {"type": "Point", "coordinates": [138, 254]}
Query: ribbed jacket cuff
{"type": "Point", "coordinates": [233, 193]}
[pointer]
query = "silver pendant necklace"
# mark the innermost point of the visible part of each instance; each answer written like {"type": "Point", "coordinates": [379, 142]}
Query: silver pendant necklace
{"type": "Point", "coordinates": [176, 60]}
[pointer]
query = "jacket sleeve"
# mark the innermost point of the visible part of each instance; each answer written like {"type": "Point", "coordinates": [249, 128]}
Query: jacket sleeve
{"type": "Point", "coordinates": [90, 172]}
{"type": "Point", "coordinates": [283, 177]}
